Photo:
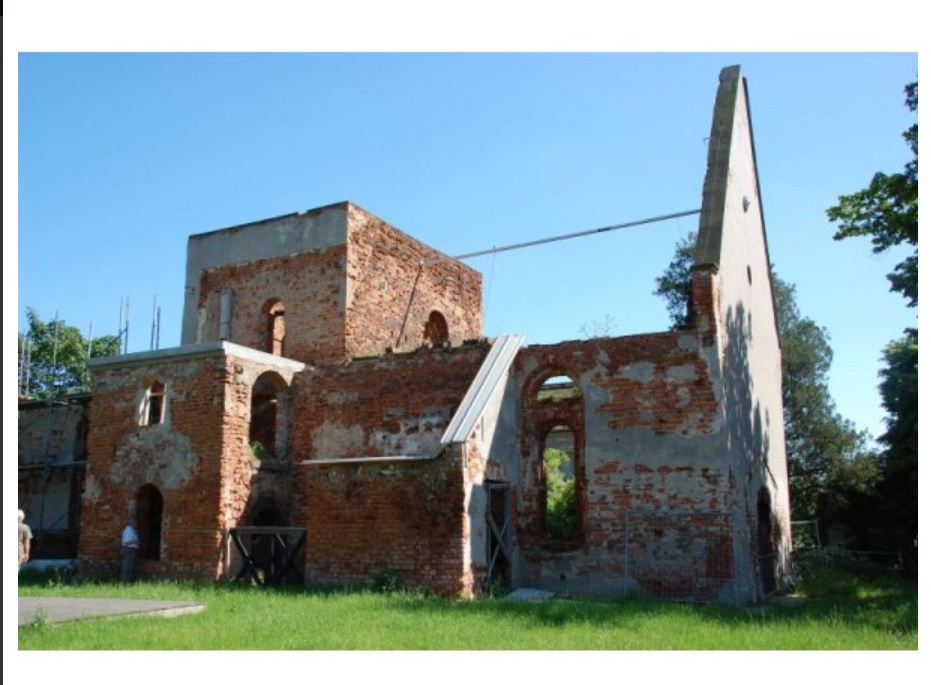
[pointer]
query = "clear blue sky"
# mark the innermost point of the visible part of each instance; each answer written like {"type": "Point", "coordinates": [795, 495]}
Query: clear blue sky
{"type": "Point", "coordinates": [122, 156]}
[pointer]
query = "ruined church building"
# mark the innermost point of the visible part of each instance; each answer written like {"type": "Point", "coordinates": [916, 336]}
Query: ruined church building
{"type": "Point", "coordinates": [334, 414]}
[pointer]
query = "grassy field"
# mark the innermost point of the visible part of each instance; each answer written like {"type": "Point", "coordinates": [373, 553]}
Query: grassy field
{"type": "Point", "coordinates": [841, 611]}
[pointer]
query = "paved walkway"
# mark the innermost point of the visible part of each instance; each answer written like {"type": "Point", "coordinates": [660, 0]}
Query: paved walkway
{"type": "Point", "coordinates": [60, 609]}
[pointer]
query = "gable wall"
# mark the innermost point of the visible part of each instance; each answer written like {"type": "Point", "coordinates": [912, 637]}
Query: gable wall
{"type": "Point", "coordinates": [733, 253]}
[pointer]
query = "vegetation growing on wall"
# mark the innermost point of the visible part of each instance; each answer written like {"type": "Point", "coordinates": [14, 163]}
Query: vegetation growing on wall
{"type": "Point", "coordinates": [561, 523]}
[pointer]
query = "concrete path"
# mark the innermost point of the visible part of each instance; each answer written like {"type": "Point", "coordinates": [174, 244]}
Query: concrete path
{"type": "Point", "coordinates": [60, 609]}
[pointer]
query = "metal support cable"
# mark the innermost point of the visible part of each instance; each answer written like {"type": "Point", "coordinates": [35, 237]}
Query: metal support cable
{"type": "Point", "coordinates": [567, 236]}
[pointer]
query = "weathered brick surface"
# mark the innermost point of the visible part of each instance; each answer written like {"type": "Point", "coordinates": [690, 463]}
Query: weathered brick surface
{"type": "Point", "coordinates": [390, 405]}
{"type": "Point", "coordinates": [404, 516]}
{"type": "Point", "coordinates": [312, 288]}
{"type": "Point", "coordinates": [408, 518]}
{"type": "Point", "coordinates": [199, 459]}
{"type": "Point", "coordinates": [646, 402]}
{"type": "Point", "coordinates": [374, 292]}
{"type": "Point", "coordinates": [395, 282]}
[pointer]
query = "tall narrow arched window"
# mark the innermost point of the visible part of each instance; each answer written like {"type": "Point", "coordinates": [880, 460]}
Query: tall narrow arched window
{"type": "Point", "coordinates": [436, 331]}
{"type": "Point", "coordinates": [149, 506]}
{"type": "Point", "coordinates": [561, 519]}
{"type": "Point", "coordinates": [275, 327]}
{"type": "Point", "coordinates": [557, 418]}
{"type": "Point", "coordinates": [264, 433]}
{"type": "Point", "coordinates": [153, 409]}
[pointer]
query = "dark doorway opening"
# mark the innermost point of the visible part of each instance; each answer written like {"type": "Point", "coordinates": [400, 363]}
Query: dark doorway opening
{"type": "Point", "coordinates": [149, 506]}
{"type": "Point", "coordinates": [498, 520]}
{"type": "Point", "coordinates": [765, 543]}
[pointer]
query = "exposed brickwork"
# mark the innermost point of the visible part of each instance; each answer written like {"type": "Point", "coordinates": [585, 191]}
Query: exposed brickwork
{"type": "Point", "coordinates": [312, 288]}
{"type": "Point", "coordinates": [389, 405]}
{"type": "Point", "coordinates": [647, 385]}
{"type": "Point", "coordinates": [199, 459]}
{"type": "Point", "coordinates": [372, 293]}
{"type": "Point", "coordinates": [363, 520]}
{"type": "Point", "coordinates": [409, 517]}
{"type": "Point", "coordinates": [395, 282]}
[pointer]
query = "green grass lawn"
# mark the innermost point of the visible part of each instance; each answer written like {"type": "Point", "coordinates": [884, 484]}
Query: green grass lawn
{"type": "Point", "coordinates": [842, 611]}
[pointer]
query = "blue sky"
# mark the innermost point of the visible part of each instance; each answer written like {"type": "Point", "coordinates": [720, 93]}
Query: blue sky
{"type": "Point", "coordinates": [122, 156]}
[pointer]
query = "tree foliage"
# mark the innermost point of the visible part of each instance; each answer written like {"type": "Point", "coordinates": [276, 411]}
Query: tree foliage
{"type": "Point", "coordinates": [674, 285]}
{"type": "Point", "coordinates": [821, 445]}
{"type": "Point", "coordinates": [899, 484]}
{"type": "Point", "coordinates": [54, 357]}
{"type": "Point", "coordinates": [887, 212]}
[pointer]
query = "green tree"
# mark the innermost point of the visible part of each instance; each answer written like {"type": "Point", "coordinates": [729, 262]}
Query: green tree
{"type": "Point", "coordinates": [887, 211]}
{"type": "Point", "coordinates": [898, 487]}
{"type": "Point", "coordinates": [674, 285]}
{"type": "Point", "coordinates": [54, 357]}
{"type": "Point", "coordinates": [820, 443]}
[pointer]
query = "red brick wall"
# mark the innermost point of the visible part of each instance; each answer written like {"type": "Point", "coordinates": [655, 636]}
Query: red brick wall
{"type": "Point", "coordinates": [363, 519]}
{"type": "Point", "coordinates": [394, 404]}
{"type": "Point", "coordinates": [647, 425]}
{"type": "Point", "coordinates": [391, 295]}
{"type": "Point", "coordinates": [199, 460]}
{"type": "Point", "coordinates": [312, 288]}
{"type": "Point", "coordinates": [346, 301]}
{"type": "Point", "coordinates": [181, 458]}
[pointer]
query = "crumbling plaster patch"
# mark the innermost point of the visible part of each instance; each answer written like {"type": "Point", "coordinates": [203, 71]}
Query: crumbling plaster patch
{"type": "Point", "coordinates": [153, 454]}
{"type": "Point", "coordinates": [335, 439]}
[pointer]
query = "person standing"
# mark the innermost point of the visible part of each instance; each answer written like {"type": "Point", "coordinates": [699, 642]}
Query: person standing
{"type": "Point", "coordinates": [25, 538]}
{"type": "Point", "coordinates": [129, 547]}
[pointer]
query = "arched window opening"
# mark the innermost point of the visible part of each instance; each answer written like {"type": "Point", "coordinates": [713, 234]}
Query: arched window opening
{"type": "Point", "coordinates": [154, 403]}
{"type": "Point", "coordinates": [558, 389]}
{"type": "Point", "coordinates": [275, 327]}
{"type": "Point", "coordinates": [559, 465]}
{"type": "Point", "coordinates": [436, 331]}
{"type": "Point", "coordinates": [263, 426]}
{"type": "Point", "coordinates": [149, 506]}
